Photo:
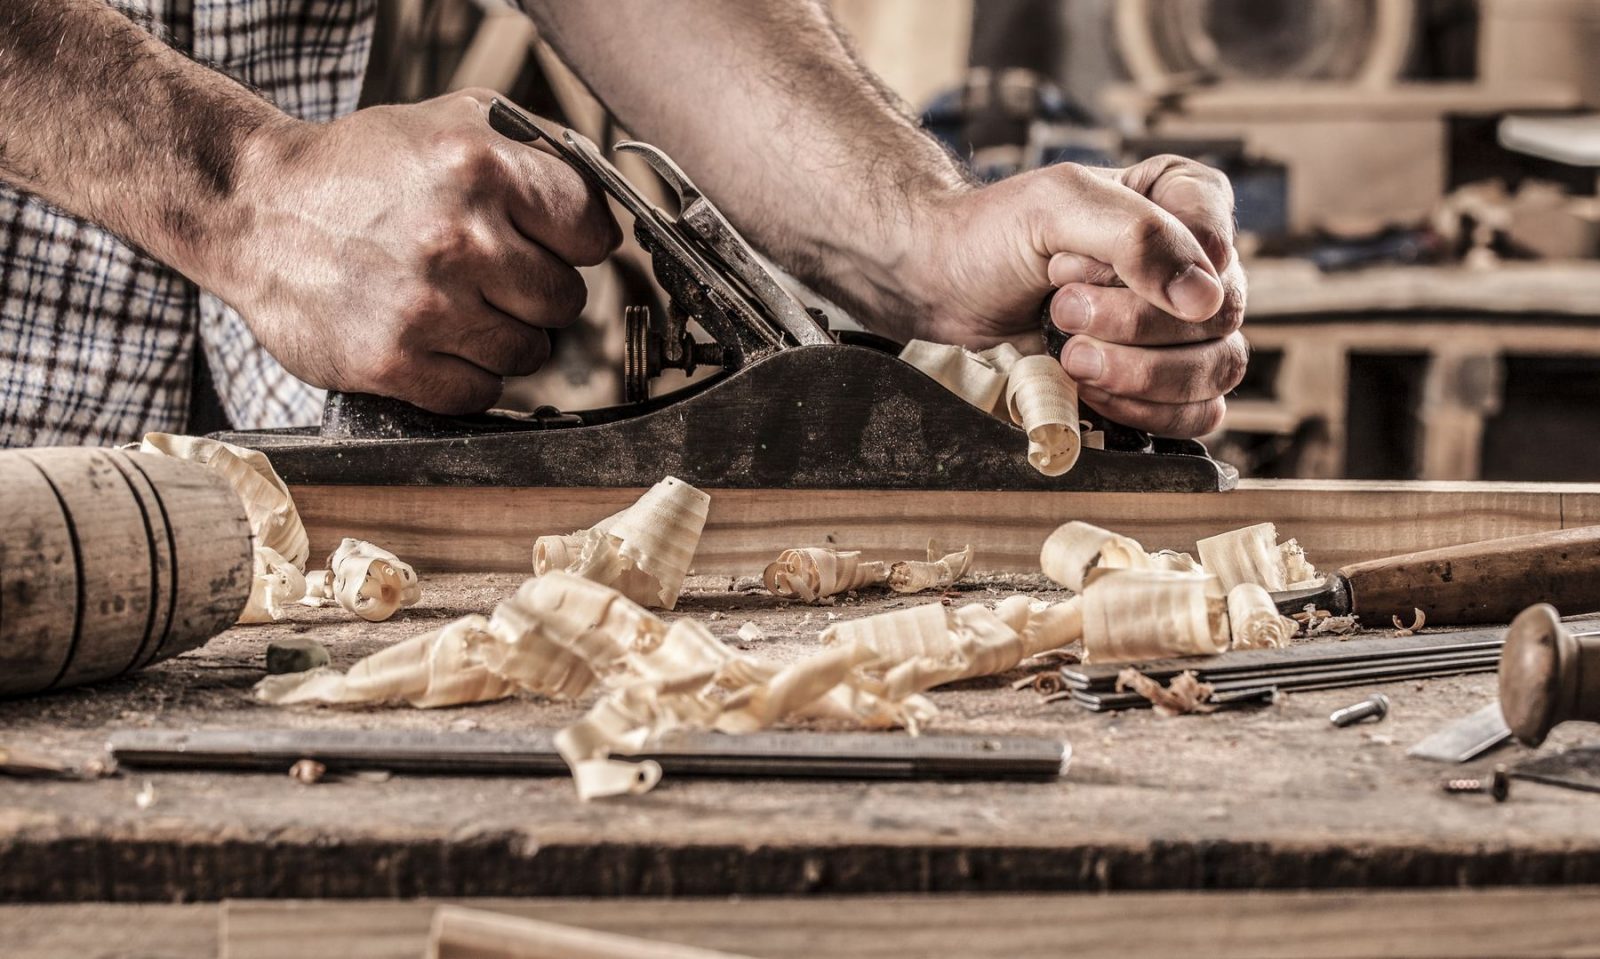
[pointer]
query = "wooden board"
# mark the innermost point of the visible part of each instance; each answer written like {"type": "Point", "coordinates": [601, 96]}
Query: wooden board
{"type": "Point", "coordinates": [1339, 522]}
{"type": "Point", "coordinates": [1448, 925]}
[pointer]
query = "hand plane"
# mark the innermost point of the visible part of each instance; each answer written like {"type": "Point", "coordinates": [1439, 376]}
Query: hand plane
{"type": "Point", "coordinates": [789, 404]}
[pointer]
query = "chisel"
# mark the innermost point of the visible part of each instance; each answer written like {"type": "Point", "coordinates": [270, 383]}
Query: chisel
{"type": "Point", "coordinates": [1487, 582]}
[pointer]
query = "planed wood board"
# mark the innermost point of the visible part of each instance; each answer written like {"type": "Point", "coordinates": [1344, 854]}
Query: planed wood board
{"type": "Point", "coordinates": [1339, 522]}
{"type": "Point", "coordinates": [1456, 924]}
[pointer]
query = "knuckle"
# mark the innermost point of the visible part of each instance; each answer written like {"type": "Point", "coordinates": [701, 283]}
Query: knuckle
{"type": "Point", "coordinates": [467, 156]}
{"type": "Point", "coordinates": [569, 296]}
{"type": "Point", "coordinates": [1136, 372]}
{"type": "Point", "coordinates": [1146, 236]}
{"type": "Point", "coordinates": [451, 243]}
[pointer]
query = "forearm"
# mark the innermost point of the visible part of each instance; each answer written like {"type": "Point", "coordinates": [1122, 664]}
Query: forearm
{"type": "Point", "coordinates": [105, 121]}
{"type": "Point", "coordinates": [767, 109]}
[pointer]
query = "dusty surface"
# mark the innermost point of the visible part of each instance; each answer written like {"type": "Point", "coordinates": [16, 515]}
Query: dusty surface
{"type": "Point", "coordinates": [1241, 799]}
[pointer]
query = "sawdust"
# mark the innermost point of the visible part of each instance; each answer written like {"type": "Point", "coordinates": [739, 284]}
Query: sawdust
{"type": "Point", "coordinates": [1185, 694]}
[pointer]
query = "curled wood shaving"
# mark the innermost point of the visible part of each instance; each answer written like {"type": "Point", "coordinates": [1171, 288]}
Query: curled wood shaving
{"type": "Point", "coordinates": [1253, 555]}
{"type": "Point", "coordinates": [1077, 548]}
{"type": "Point", "coordinates": [1043, 400]}
{"type": "Point", "coordinates": [440, 668]}
{"type": "Point", "coordinates": [1185, 694]}
{"type": "Point", "coordinates": [1034, 392]}
{"type": "Point", "coordinates": [1419, 620]}
{"type": "Point", "coordinates": [269, 509]}
{"type": "Point", "coordinates": [275, 582]}
{"type": "Point", "coordinates": [562, 636]}
{"type": "Point", "coordinates": [1255, 621]}
{"type": "Point", "coordinates": [644, 551]}
{"type": "Point", "coordinates": [1153, 614]}
{"type": "Point", "coordinates": [370, 581]}
{"type": "Point", "coordinates": [938, 572]}
{"type": "Point", "coordinates": [818, 572]}
{"type": "Point", "coordinates": [978, 378]}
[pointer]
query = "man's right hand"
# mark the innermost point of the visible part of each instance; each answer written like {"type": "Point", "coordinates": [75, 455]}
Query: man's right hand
{"type": "Point", "coordinates": [410, 251]}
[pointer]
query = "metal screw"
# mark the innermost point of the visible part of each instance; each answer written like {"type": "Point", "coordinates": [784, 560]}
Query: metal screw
{"type": "Point", "coordinates": [1497, 785]}
{"type": "Point", "coordinates": [1376, 707]}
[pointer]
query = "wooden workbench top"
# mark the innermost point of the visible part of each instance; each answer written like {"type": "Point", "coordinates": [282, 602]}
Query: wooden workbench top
{"type": "Point", "coordinates": [1248, 799]}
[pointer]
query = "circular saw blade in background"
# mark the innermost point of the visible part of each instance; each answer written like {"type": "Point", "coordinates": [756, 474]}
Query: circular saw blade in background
{"type": "Point", "coordinates": [1169, 45]}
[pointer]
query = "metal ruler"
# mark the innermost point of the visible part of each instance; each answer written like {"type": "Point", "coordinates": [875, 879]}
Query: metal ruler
{"type": "Point", "coordinates": [780, 754]}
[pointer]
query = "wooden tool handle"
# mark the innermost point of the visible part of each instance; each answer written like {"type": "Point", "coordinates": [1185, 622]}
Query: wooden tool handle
{"type": "Point", "coordinates": [1487, 582]}
{"type": "Point", "coordinates": [110, 561]}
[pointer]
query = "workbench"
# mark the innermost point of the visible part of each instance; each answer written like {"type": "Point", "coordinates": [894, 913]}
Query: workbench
{"type": "Point", "coordinates": [1269, 798]}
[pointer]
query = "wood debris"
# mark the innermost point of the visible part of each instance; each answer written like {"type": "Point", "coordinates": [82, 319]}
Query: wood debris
{"type": "Point", "coordinates": [1076, 549]}
{"type": "Point", "coordinates": [1418, 620]}
{"type": "Point", "coordinates": [977, 377]}
{"type": "Point", "coordinates": [1043, 400]}
{"type": "Point", "coordinates": [1254, 620]}
{"type": "Point", "coordinates": [817, 573]}
{"type": "Point", "coordinates": [274, 520]}
{"type": "Point", "coordinates": [1185, 694]}
{"type": "Point", "coordinates": [275, 583]}
{"type": "Point", "coordinates": [1034, 392]}
{"type": "Point", "coordinates": [308, 772]}
{"type": "Point", "coordinates": [372, 582]}
{"type": "Point", "coordinates": [644, 551]}
{"type": "Point", "coordinates": [1254, 555]}
{"type": "Point", "coordinates": [1153, 614]}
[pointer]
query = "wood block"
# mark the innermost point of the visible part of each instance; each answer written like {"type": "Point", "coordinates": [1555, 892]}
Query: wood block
{"type": "Point", "coordinates": [1339, 522]}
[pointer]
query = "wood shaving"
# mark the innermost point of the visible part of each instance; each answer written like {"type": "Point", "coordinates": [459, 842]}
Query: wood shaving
{"type": "Point", "coordinates": [938, 572]}
{"type": "Point", "coordinates": [978, 378]}
{"type": "Point", "coordinates": [274, 520]}
{"type": "Point", "coordinates": [1254, 620]}
{"type": "Point", "coordinates": [1418, 620]}
{"type": "Point", "coordinates": [308, 772]}
{"type": "Point", "coordinates": [818, 572]}
{"type": "Point", "coordinates": [1185, 694]}
{"type": "Point", "coordinates": [1330, 625]}
{"type": "Point", "coordinates": [1077, 548]}
{"type": "Point", "coordinates": [146, 796]}
{"type": "Point", "coordinates": [1136, 614]}
{"type": "Point", "coordinates": [439, 668]}
{"type": "Point", "coordinates": [644, 552]}
{"type": "Point", "coordinates": [371, 581]}
{"type": "Point", "coordinates": [1043, 400]}
{"type": "Point", "coordinates": [275, 582]}
{"type": "Point", "coordinates": [1253, 555]}
{"type": "Point", "coordinates": [562, 636]}
{"type": "Point", "coordinates": [815, 574]}
{"type": "Point", "coordinates": [750, 633]}
{"type": "Point", "coordinates": [1034, 392]}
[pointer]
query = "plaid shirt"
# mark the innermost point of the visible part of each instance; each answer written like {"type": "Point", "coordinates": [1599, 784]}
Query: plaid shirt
{"type": "Point", "coordinates": [97, 340]}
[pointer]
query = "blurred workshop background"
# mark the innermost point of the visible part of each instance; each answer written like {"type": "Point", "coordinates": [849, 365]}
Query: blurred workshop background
{"type": "Point", "coordinates": [1416, 184]}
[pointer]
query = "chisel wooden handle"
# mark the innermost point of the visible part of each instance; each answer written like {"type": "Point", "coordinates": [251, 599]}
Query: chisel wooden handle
{"type": "Point", "coordinates": [1487, 582]}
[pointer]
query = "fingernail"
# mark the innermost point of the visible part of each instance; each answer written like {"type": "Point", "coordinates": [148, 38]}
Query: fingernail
{"type": "Point", "coordinates": [1196, 293]}
{"type": "Point", "coordinates": [1073, 312]}
{"type": "Point", "coordinates": [1084, 362]}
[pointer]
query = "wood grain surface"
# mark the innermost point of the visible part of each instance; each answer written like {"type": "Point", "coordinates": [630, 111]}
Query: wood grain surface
{"type": "Point", "coordinates": [1339, 522]}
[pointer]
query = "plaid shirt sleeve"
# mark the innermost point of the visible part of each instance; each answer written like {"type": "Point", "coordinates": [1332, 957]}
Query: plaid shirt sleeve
{"type": "Point", "coordinates": [97, 340]}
